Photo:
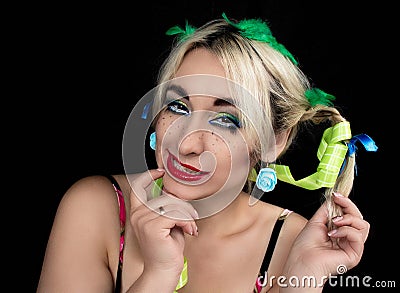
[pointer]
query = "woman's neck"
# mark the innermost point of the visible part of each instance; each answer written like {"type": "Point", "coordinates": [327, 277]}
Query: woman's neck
{"type": "Point", "coordinates": [227, 220]}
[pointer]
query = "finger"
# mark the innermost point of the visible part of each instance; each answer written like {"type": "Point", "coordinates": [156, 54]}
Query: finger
{"type": "Point", "coordinates": [350, 220]}
{"type": "Point", "coordinates": [181, 218]}
{"type": "Point", "coordinates": [172, 203]}
{"type": "Point", "coordinates": [142, 220]}
{"type": "Point", "coordinates": [347, 205]}
{"type": "Point", "coordinates": [142, 214]}
{"type": "Point", "coordinates": [176, 210]}
{"type": "Point", "coordinates": [144, 179]}
{"type": "Point", "coordinates": [177, 234]}
{"type": "Point", "coordinates": [170, 218]}
{"type": "Point", "coordinates": [140, 183]}
{"type": "Point", "coordinates": [353, 237]}
{"type": "Point", "coordinates": [354, 222]}
{"type": "Point", "coordinates": [167, 223]}
{"type": "Point", "coordinates": [188, 227]}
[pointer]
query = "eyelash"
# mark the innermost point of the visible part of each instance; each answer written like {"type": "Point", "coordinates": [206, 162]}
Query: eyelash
{"type": "Point", "coordinates": [180, 108]}
{"type": "Point", "coordinates": [174, 107]}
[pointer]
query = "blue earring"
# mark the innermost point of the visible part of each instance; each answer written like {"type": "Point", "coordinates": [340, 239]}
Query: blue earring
{"type": "Point", "coordinates": [266, 179]}
{"type": "Point", "coordinates": [153, 141]}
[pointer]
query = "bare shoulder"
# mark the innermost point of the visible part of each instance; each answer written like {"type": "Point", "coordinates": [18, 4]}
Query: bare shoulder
{"type": "Point", "coordinates": [91, 194]}
{"type": "Point", "coordinates": [294, 222]}
{"type": "Point", "coordinates": [90, 204]}
{"type": "Point", "coordinates": [85, 235]}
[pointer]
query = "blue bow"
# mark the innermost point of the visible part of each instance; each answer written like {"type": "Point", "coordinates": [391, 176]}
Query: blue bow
{"type": "Point", "coordinates": [365, 140]}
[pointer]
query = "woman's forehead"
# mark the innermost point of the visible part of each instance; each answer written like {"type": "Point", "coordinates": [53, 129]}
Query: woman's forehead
{"type": "Point", "coordinates": [200, 85]}
{"type": "Point", "coordinates": [200, 61]}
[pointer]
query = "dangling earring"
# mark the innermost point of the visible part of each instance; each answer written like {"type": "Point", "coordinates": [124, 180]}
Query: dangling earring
{"type": "Point", "coordinates": [266, 179]}
{"type": "Point", "coordinates": [153, 141]}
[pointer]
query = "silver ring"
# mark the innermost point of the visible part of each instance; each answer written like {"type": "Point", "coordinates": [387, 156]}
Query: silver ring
{"type": "Point", "coordinates": [161, 210]}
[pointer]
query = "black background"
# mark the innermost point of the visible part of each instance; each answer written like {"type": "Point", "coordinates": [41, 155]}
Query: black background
{"type": "Point", "coordinates": [80, 68]}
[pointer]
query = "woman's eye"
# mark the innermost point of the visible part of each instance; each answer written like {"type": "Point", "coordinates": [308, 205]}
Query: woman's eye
{"type": "Point", "coordinates": [226, 120]}
{"type": "Point", "coordinates": [178, 107]}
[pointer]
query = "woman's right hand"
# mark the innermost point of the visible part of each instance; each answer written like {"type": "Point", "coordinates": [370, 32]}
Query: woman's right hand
{"type": "Point", "coordinates": [160, 237]}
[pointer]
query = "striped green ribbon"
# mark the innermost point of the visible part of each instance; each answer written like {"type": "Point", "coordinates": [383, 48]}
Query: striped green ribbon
{"type": "Point", "coordinates": [331, 154]}
{"type": "Point", "coordinates": [183, 278]}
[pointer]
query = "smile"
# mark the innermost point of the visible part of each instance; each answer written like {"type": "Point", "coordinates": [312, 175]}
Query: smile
{"type": "Point", "coordinates": [183, 171]}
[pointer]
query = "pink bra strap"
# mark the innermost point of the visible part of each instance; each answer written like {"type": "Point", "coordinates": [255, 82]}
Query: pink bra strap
{"type": "Point", "coordinates": [122, 220]}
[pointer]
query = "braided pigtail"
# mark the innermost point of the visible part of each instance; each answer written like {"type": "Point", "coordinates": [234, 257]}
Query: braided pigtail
{"type": "Point", "coordinates": [344, 181]}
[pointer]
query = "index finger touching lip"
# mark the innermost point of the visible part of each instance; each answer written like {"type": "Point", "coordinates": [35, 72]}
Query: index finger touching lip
{"type": "Point", "coordinates": [141, 183]}
{"type": "Point", "coordinates": [146, 178]}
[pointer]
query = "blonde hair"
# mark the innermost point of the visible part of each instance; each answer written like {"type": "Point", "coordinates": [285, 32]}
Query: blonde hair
{"type": "Point", "coordinates": [272, 79]}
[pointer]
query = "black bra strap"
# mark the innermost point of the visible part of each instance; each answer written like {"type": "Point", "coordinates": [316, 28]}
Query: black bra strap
{"type": "Point", "coordinates": [271, 246]}
{"type": "Point", "coordinates": [113, 181]}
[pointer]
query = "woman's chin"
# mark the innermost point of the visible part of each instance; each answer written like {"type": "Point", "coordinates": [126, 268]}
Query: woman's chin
{"type": "Point", "coordinates": [184, 192]}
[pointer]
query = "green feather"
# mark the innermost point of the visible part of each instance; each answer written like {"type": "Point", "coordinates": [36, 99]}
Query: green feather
{"type": "Point", "coordinates": [256, 29]}
{"type": "Point", "coordinates": [181, 33]}
{"type": "Point", "coordinates": [316, 96]}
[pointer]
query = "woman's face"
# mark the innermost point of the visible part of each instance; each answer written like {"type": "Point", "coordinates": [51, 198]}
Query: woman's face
{"type": "Point", "coordinates": [198, 133]}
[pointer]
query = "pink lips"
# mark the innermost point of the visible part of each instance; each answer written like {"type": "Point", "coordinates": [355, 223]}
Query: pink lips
{"type": "Point", "coordinates": [182, 175]}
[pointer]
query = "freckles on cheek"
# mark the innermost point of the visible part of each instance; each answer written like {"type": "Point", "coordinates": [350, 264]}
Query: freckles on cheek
{"type": "Point", "coordinates": [163, 123]}
{"type": "Point", "coordinates": [221, 147]}
{"type": "Point", "coordinates": [215, 143]}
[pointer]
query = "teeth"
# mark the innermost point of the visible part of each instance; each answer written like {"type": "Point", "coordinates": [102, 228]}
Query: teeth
{"type": "Point", "coordinates": [184, 169]}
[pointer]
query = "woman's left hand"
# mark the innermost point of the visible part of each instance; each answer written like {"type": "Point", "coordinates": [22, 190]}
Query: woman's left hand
{"type": "Point", "coordinates": [320, 253]}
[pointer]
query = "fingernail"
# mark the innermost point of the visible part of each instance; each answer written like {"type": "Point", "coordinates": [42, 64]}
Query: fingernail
{"type": "Point", "coordinates": [196, 214]}
{"type": "Point", "coordinates": [161, 170]}
{"type": "Point", "coordinates": [337, 219]}
{"type": "Point", "coordinates": [337, 194]}
{"type": "Point", "coordinates": [330, 233]}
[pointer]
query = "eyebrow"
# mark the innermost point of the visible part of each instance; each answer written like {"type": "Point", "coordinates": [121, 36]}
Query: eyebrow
{"type": "Point", "coordinates": [180, 91]}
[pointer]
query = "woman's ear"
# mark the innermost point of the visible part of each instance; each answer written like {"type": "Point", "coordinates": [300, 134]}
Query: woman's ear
{"type": "Point", "coordinates": [281, 141]}
{"type": "Point", "coordinates": [280, 145]}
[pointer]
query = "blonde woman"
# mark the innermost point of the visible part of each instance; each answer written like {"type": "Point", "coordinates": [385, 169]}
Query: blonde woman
{"type": "Point", "coordinates": [229, 102]}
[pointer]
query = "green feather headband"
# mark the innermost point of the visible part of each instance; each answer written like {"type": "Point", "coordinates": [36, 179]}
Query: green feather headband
{"type": "Point", "coordinates": [254, 29]}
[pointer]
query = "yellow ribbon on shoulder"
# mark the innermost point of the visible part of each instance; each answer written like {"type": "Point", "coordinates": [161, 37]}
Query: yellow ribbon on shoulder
{"type": "Point", "coordinates": [331, 154]}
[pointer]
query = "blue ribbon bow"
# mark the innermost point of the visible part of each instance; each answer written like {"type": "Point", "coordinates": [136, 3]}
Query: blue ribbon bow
{"type": "Point", "coordinates": [367, 142]}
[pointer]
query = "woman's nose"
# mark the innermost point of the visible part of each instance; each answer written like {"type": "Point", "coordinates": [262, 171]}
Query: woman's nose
{"type": "Point", "coordinates": [193, 143]}
{"type": "Point", "coordinates": [195, 134]}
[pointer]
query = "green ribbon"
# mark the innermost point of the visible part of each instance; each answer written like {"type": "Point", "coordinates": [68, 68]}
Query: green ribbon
{"type": "Point", "coordinates": [331, 154]}
{"type": "Point", "coordinates": [183, 278]}
{"type": "Point", "coordinates": [157, 187]}
{"type": "Point", "coordinates": [156, 191]}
